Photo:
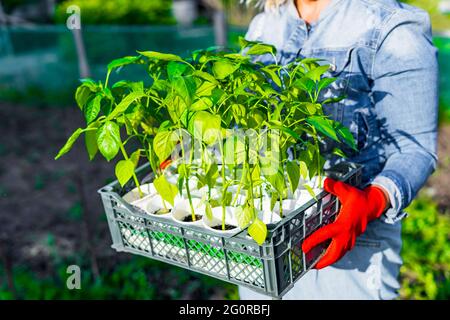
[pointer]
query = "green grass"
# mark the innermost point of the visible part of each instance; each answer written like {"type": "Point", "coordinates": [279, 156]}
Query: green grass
{"type": "Point", "coordinates": [138, 278]}
{"type": "Point", "coordinates": [426, 252]}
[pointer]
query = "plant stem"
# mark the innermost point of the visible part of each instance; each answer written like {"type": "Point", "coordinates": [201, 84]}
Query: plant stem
{"type": "Point", "coordinates": [188, 191]}
{"type": "Point", "coordinates": [281, 205]}
{"type": "Point", "coordinates": [241, 182]}
{"type": "Point", "coordinates": [135, 179]}
{"type": "Point", "coordinates": [249, 172]}
{"type": "Point", "coordinates": [260, 198]}
{"type": "Point", "coordinates": [107, 78]}
{"type": "Point", "coordinates": [224, 185]}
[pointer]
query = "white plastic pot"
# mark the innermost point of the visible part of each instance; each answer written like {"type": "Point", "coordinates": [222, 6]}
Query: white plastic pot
{"type": "Point", "coordinates": [216, 220]}
{"type": "Point", "coordinates": [269, 217]}
{"type": "Point", "coordinates": [182, 209]}
{"type": "Point", "coordinates": [151, 204]}
{"type": "Point", "coordinates": [202, 193]}
{"type": "Point", "coordinates": [288, 206]}
{"type": "Point", "coordinates": [133, 195]}
{"type": "Point", "coordinates": [155, 203]}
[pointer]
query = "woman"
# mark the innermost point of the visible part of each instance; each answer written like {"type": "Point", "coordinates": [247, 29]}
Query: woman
{"type": "Point", "coordinates": [382, 54]}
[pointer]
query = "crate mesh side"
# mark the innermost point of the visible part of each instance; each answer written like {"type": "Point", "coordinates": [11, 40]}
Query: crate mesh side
{"type": "Point", "coordinates": [246, 269]}
{"type": "Point", "coordinates": [272, 268]}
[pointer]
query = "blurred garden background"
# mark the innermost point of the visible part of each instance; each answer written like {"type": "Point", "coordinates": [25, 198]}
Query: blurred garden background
{"type": "Point", "coordinates": [50, 213]}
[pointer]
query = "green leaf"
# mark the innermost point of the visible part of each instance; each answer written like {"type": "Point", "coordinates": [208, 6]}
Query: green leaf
{"type": "Point", "coordinates": [308, 61]}
{"type": "Point", "coordinates": [205, 76]}
{"type": "Point", "coordinates": [212, 174]}
{"type": "Point", "coordinates": [175, 69]}
{"type": "Point", "coordinates": [207, 127]}
{"type": "Point", "coordinates": [323, 125]}
{"type": "Point", "coordinates": [258, 231]}
{"type": "Point", "coordinates": [82, 95]}
{"type": "Point", "coordinates": [236, 56]}
{"type": "Point", "coordinates": [317, 72]}
{"type": "Point", "coordinates": [303, 170]}
{"type": "Point", "coordinates": [310, 191]}
{"type": "Point", "coordinates": [255, 119]}
{"type": "Point", "coordinates": [285, 129]}
{"type": "Point", "coordinates": [293, 173]}
{"type": "Point", "coordinates": [108, 140]}
{"type": "Point", "coordinates": [152, 157]}
{"type": "Point", "coordinates": [164, 143]}
{"type": "Point", "coordinates": [69, 144]}
{"type": "Point", "coordinates": [339, 153]}
{"type": "Point", "coordinates": [122, 62]}
{"type": "Point", "coordinates": [92, 109]}
{"type": "Point", "coordinates": [244, 216]}
{"type": "Point", "coordinates": [204, 103]}
{"type": "Point", "coordinates": [90, 140]}
{"type": "Point", "coordinates": [125, 103]}
{"type": "Point", "coordinates": [135, 157]}
{"type": "Point", "coordinates": [205, 89]}
{"type": "Point", "coordinates": [132, 85]}
{"type": "Point", "coordinates": [273, 75]}
{"type": "Point", "coordinates": [333, 100]}
{"type": "Point", "coordinates": [183, 170]}
{"type": "Point", "coordinates": [184, 88]}
{"type": "Point", "coordinates": [165, 126]}
{"type": "Point", "coordinates": [208, 211]}
{"type": "Point", "coordinates": [259, 49]}
{"type": "Point", "coordinates": [243, 43]}
{"type": "Point", "coordinates": [345, 134]}
{"type": "Point", "coordinates": [311, 108]}
{"type": "Point", "coordinates": [223, 68]}
{"type": "Point", "coordinates": [277, 181]}
{"type": "Point", "coordinates": [166, 190]}
{"type": "Point", "coordinates": [234, 148]}
{"type": "Point", "coordinates": [160, 56]}
{"type": "Point", "coordinates": [124, 171]}
{"type": "Point", "coordinates": [305, 84]}
{"type": "Point", "coordinates": [325, 82]}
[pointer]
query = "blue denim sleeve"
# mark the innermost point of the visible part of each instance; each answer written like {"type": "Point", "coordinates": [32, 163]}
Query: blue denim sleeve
{"type": "Point", "coordinates": [405, 92]}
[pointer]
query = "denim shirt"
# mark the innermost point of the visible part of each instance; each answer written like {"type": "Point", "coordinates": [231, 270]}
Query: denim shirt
{"type": "Point", "coordinates": [381, 51]}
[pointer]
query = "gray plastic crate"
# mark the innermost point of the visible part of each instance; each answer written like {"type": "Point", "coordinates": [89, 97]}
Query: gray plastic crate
{"type": "Point", "coordinates": [270, 269]}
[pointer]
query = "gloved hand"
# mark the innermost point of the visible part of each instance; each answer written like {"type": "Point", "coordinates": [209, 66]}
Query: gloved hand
{"type": "Point", "coordinates": [358, 208]}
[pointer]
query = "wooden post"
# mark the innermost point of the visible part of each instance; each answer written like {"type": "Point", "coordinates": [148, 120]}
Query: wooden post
{"type": "Point", "coordinates": [220, 28]}
{"type": "Point", "coordinates": [219, 21]}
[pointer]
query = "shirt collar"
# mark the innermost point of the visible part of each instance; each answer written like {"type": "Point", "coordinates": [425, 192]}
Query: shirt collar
{"type": "Point", "coordinates": [292, 11]}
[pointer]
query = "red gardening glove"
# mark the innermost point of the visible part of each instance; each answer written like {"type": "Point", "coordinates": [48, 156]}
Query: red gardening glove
{"type": "Point", "coordinates": [164, 164]}
{"type": "Point", "coordinates": [358, 208]}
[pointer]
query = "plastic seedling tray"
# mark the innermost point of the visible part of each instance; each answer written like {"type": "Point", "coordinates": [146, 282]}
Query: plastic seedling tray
{"type": "Point", "coordinates": [270, 269]}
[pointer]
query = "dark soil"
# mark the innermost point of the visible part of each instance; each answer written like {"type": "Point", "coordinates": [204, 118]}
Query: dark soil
{"type": "Point", "coordinates": [50, 210]}
{"type": "Point", "coordinates": [49, 207]}
{"type": "Point", "coordinates": [227, 227]}
{"type": "Point", "coordinates": [189, 218]}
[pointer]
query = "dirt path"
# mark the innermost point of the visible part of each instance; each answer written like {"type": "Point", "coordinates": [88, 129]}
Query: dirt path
{"type": "Point", "coordinates": [40, 203]}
